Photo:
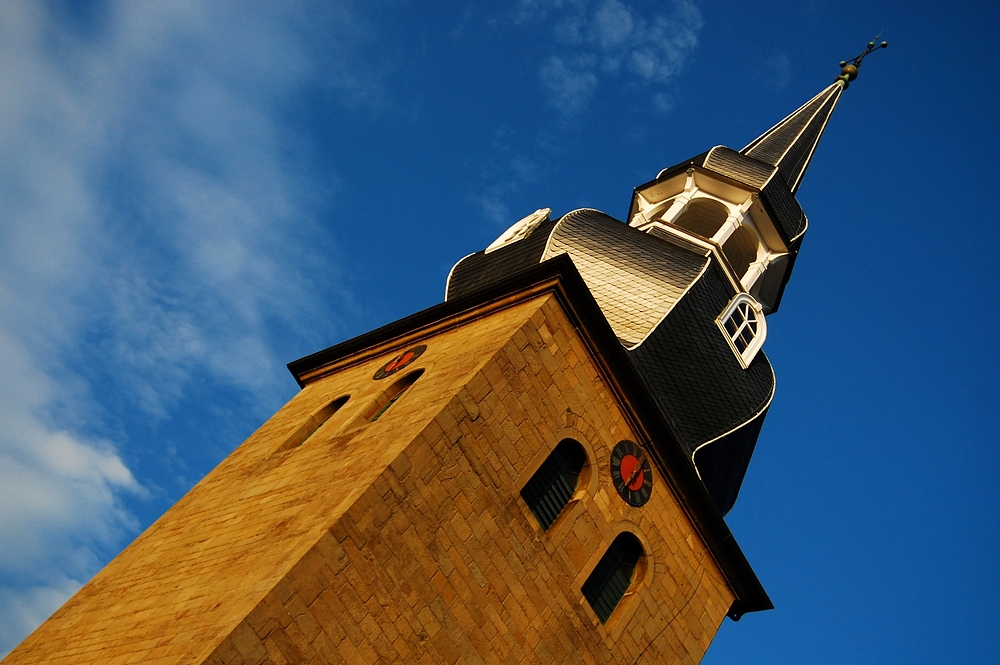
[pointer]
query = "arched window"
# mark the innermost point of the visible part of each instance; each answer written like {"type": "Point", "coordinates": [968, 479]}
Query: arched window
{"type": "Point", "coordinates": [744, 327]}
{"type": "Point", "coordinates": [314, 422]}
{"type": "Point", "coordinates": [392, 395]}
{"type": "Point", "coordinates": [704, 217]}
{"type": "Point", "coordinates": [613, 575]}
{"type": "Point", "coordinates": [741, 249]}
{"type": "Point", "coordinates": [552, 486]}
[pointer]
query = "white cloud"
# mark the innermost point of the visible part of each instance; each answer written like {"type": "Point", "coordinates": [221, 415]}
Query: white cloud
{"type": "Point", "coordinates": [504, 174]}
{"type": "Point", "coordinates": [610, 38]}
{"type": "Point", "coordinates": [611, 26]}
{"type": "Point", "coordinates": [25, 608]}
{"type": "Point", "coordinates": [777, 71]}
{"type": "Point", "coordinates": [570, 83]}
{"type": "Point", "coordinates": [539, 10]}
{"type": "Point", "coordinates": [153, 225]}
{"type": "Point", "coordinates": [59, 497]}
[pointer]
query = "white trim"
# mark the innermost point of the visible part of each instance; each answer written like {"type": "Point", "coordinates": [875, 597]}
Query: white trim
{"type": "Point", "coordinates": [786, 120]}
{"type": "Point", "coordinates": [447, 282]}
{"type": "Point", "coordinates": [734, 279]}
{"type": "Point", "coordinates": [828, 92]}
{"type": "Point", "coordinates": [743, 424]}
{"type": "Point", "coordinates": [822, 129]}
{"type": "Point", "coordinates": [804, 228]}
{"type": "Point", "coordinates": [747, 354]}
{"type": "Point", "coordinates": [708, 157]}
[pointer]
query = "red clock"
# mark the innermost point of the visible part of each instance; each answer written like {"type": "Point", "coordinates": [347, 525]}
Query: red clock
{"type": "Point", "coordinates": [399, 362]}
{"type": "Point", "coordinates": [631, 473]}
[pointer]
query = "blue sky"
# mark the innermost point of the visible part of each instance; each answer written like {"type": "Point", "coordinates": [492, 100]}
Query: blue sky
{"type": "Point", "coordinates": [194, 194]}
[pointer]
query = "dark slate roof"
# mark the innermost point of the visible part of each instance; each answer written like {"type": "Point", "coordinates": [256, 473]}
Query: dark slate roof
{"type": "Point", "coordinates": [480, 269]}
{"type": "Point", "coordinates": [789, 145]}
{"type": "Point", "coordinates": [722, 464]}
{"type": "Point", "coordinates": [784, 209]}
{"type": "Point", "coordinates": [693, 372]}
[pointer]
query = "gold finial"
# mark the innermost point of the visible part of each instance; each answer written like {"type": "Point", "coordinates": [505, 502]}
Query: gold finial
{"type": "Point", "coordinates": [849, 69]}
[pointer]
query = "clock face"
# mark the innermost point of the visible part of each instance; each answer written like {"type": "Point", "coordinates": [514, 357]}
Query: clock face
{"type": "Point", "coordinates": [631, 473]}
{"type": "Point", "coordinates": [399, 362]}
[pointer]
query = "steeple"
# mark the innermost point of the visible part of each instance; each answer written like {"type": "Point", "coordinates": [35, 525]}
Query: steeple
{"type": "Point", "coordinates": [554, 447]}
{"type": "Point", "coordinates": [789, 145]}
{"type": "Point", "coordinates": [706, 252]}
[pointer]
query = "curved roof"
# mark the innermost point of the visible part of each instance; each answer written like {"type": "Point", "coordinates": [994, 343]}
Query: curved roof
{"type": "Point", "coordinates": [636, 278]}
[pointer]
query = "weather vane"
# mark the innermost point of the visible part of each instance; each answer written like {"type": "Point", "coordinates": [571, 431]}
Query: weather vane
{"type": "Point", "coordinates": [849, 72]}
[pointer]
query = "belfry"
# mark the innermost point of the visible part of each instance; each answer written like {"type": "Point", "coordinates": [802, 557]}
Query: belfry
{"type": "Point", "coordinates": [535, 470]}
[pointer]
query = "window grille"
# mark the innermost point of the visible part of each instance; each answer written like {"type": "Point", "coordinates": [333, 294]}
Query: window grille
{"type": "Point", "coordinates": [552, 486]}
{"type": "Point", "coordinates": [613, 575]}
{"type": "Point", "coordinates": [744, 326]}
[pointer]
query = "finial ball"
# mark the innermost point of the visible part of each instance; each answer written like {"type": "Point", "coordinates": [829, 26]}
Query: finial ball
{"type": "Point", "coordinates": [883, 45]}
{"type": "Point", "coordinates": [842, 63]}
{"type": "Point", "coordinates": [850, 71]}
{"type": "Point", "coordinates": [871, 44]}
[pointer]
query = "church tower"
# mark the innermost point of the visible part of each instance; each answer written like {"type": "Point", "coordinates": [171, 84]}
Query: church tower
{"type": "Point", "coordinates": [534, 470]}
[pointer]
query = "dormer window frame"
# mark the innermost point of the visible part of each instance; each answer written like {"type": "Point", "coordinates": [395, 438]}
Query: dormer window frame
{"type": "Point", "coordinates": [743, 315]}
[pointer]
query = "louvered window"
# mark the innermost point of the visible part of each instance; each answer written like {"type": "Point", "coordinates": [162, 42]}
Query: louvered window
{"type": "Point", "coordinates": [613, 575]}
{"type": "Point", "coordinates": [552, 486]}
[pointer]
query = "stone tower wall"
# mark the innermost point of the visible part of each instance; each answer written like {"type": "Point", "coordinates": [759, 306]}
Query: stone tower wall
{"type": "Point", "coordinates": [406, 538]}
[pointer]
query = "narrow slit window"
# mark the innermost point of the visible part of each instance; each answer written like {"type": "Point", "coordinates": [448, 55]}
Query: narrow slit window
{"type": "Point", "coordinates": [393, 394]}
{"type": "Point", "coordinates": [314, 422]}
{"type": "Point", "coordinates": [744, 327]}
{"type": "Point", "coordinates": [553, 485]}
{"type": "Point", "coordinates": [613, 575]}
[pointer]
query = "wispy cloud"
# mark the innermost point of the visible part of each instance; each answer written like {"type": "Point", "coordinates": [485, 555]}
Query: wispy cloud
{"type": "Point", "coordinates": [778, 71]}
{"type": "Point", "coordinates": [593, 41]}
{"type": "Point", "coordinates": [569, 82]}
{"type": "Point", "coordinates": [156, 226]}
{"type": "Point", "coordinates": [504, 175]}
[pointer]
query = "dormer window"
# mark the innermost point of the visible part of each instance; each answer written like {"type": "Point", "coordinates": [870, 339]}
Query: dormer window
{"type": "Point", "coordinates": [743, 324]}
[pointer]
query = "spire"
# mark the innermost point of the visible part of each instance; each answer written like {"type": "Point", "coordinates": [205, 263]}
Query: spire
{"type": "Point", "coordinates": [789, 145]}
